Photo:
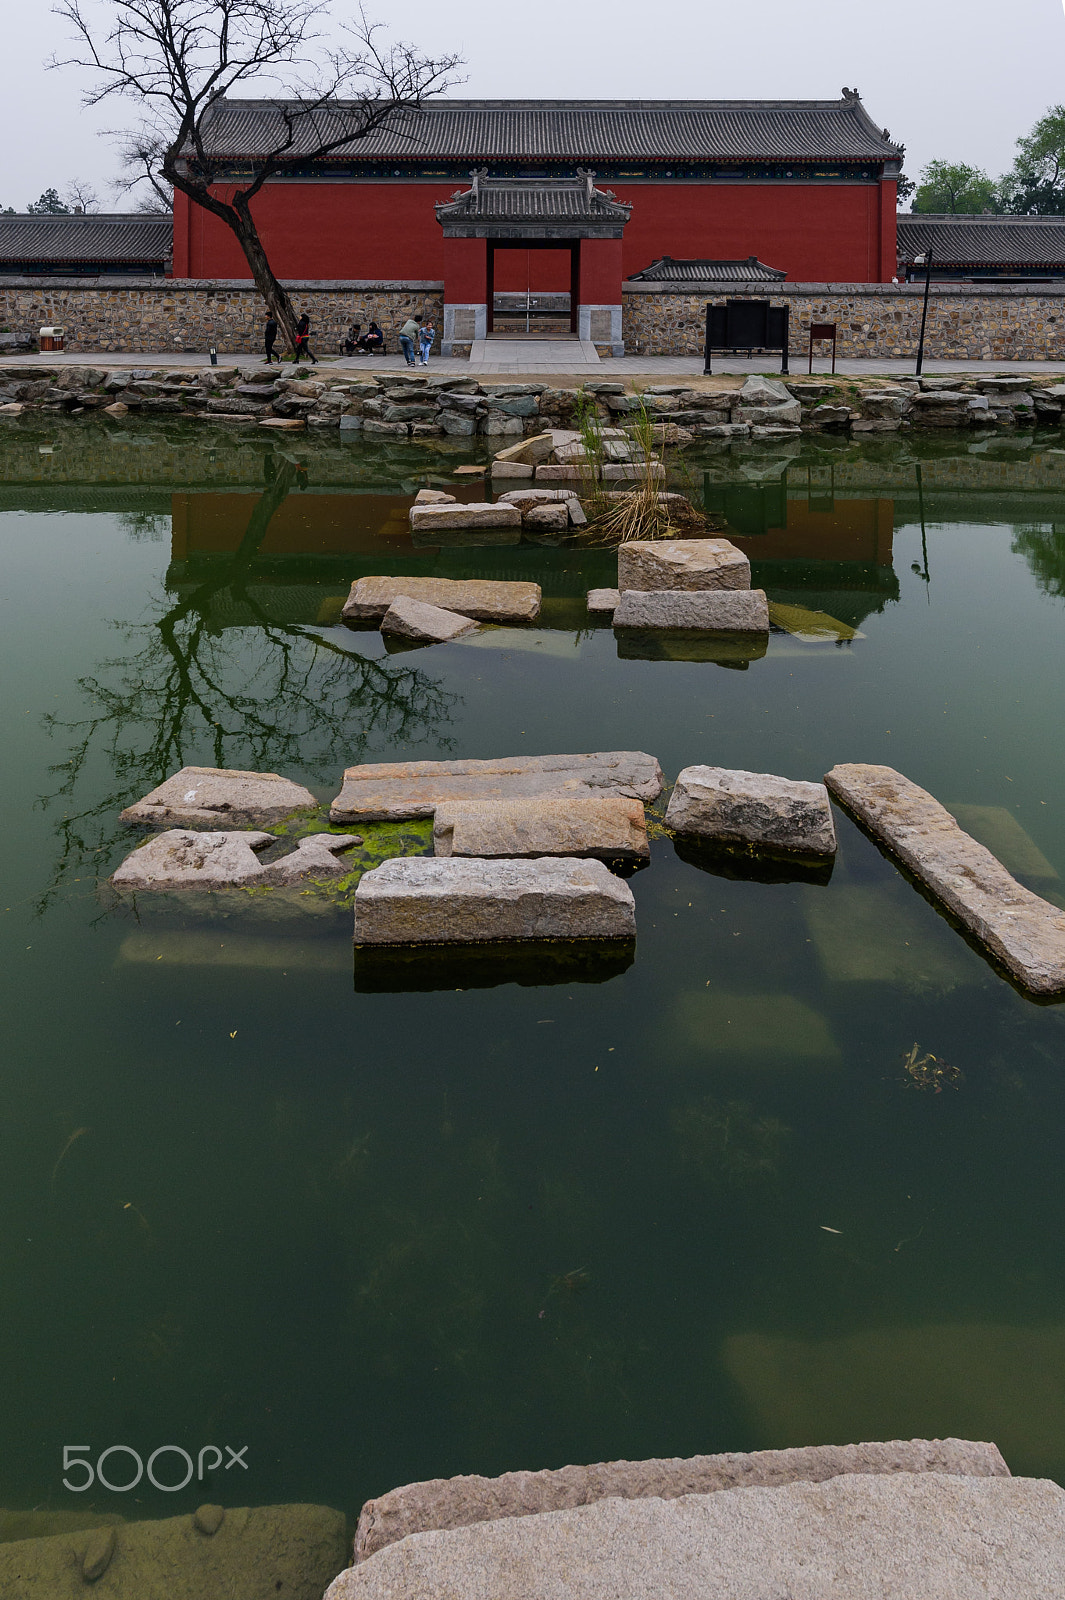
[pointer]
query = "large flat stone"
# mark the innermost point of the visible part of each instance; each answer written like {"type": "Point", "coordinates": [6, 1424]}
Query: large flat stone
{"type": "Point", "coordinates": [415, 900]}
{"type": "Point", "coordinates": [682, 564]}
{"type": "Point", "coordinates": [413, 619]}
{"type": "Point", "coordinates": [903, 1536]}
{"type": "Point", "coordinates": [442, 1503]}
{"type": "Point", "coordinates": [472, 514]}
{"type": "Point", "coordinates": [754, 808]}
{"type": "Point", "coordinates": [611, 828]}
{"type": "Point", "coordinates": [390, 791]}
{"type": "Point", "coordinates": [1025, 933]}
{"type": "Point", "coordinates": [694, 610]}
{"type": "Point", "coordinates": [482, 599]}
{"type": "Point", "coordinates": [184, 859]}
{"type": "Point", "coordinates": [218, 796]}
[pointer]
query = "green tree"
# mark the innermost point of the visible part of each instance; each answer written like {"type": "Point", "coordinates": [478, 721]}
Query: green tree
{"type": "Point", "coordinates": [953, 187]}
{"type": "Point", "coordinates": [1035, 185]}
{"type": "Point", "coordinates": [49, 205]}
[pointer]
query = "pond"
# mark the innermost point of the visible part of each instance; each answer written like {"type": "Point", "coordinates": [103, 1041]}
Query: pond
{"type": "Point", "coordinates": [372, 1235]}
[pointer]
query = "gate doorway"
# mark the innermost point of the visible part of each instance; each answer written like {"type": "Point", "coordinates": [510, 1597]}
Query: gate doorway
{"type": "Point", "coordinates": [527, 297]}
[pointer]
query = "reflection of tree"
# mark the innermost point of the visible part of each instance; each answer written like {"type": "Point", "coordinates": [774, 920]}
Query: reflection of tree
{"type": "Point", "coordinates": [1044, 550]}
{"type": "Point", "coordinates": [289, 700]}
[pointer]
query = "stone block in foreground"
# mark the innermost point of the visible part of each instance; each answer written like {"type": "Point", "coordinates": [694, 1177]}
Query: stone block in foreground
{"type": "Point", "coordinates": [218, 797]}
{"type": "Point", "coordinates": [610, 829]}
{"type": "Point", "coordinates": [482, 599]}
{"type": "Point", "coordinates": [694, 610]}
{"type": "Point", "coordinates": [905, 1536]}
{"type": "Point", "coordinates": [1025, 933]}
{"type": "Point", "coordinates": [468, 515]}
{"type": "Point", "coordinates": [682, 564]}
{"type": "Point", "coordinates": [442, 1503]}
{"type": "Point", "coordinates": [421, 900]}
{"type": "Point", "coordinates": [388, 791]}
{"type": "Point", "coordinates": [753, 808]}
{"type": "Point", "coordinates": [413, 619]}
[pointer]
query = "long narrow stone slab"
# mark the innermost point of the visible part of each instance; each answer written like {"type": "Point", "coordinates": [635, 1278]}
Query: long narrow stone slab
{"type": "Point", "coordinates": [441, 1503]}
{"type": "Point", "coordinates": [1025, 933]}
{"type": "Point", "coordinates": [610, 829]}
{"type": "Point", "coordinates": [469, 515]}
{"type": "Point", "coordinates": [482, 599]}
{"type": "Point", "coordinates": [755, 808]}
{"type": "Point", "coordinates": [389, 791]}
{"type": "Point", "coordinates": [220, 797]}
{"type": "Point", "coordinates": [694, 610]}
{"type": "Point", "coordinates": [418, 900]}
{"type": "Point", "coordinates": [682, 564]}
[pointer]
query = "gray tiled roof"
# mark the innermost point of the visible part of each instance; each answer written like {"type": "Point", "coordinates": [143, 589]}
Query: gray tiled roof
{"type": "Point", "coordinates": [98, 238]}
{"type": "Point", "coordinates": [574, 200]}
{"type": "Point", "coordinates": [669, 271]}
{"type": "Point", "coordinates": [578, 131]}
{"type": "Point", "coordinates": [963, 241]}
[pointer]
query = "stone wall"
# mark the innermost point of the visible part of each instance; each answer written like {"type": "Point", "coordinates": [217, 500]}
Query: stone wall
{"type": "Point", "coordinates": [987, 322]}
{"type": "Point", "coordinates": [153, 314]}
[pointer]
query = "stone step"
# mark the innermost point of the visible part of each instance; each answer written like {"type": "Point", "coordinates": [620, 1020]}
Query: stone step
{"type": "Point", "coordinates": [693, 610]}
{"type": "Point", "coordinates": [611, 829]}
{"type": "Point", "coordinates": [682, 564]}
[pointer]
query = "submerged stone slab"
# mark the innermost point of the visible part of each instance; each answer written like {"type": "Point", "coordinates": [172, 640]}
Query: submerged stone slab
{"type": "Point", "coordinates": [471, 514]}
{"type": "Point", "coordinates": [1025, 933]}
{"type": "Point", "coordinates": [603, 602]}
{"type": "Point", "coordinates": [694, 610]}
{"type": "Point", "coordinates": [899, 1536]}
{"type": "Point", "coordinates": [390, 791]}
{"type": "Point", "coordinates": [611, 829]}
{"type": "Point", "coordinates": [754, 808]}
{"type": "Point", "coordinates": [417, 900]}
{"type": "Point", "coordinates": [316, 856]}
{"type": "Point", "coordinates": [184, 859]}
{"type": "Point", "coordinates": [682, 564]}
{"type": "Point", "coordinates": [413, 619]}
{"type": "Point", "coordinates": [219, 796]}
{"type": "Point", "coordinates": [444, 1503]}
{"type": "Point", "coordinates": [482, 599]}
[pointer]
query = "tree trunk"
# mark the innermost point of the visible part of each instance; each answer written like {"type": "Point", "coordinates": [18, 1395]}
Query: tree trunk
{"type": "Point", "coordinates": [239, 218]}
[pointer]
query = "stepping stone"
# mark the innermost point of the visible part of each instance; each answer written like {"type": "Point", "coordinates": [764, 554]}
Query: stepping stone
{"type": "Point", "coordinates": [445, 1503]}
{"type": "Point", "coordinates": [413, 619]}
{"type": "Point", "coordinates": [603, 602]}
{"type": "Point", "coordinates": [682, 564]}
{"type": "Point", "coordinates": [469, 515]}
{"type": "Point", "coordinates": [611, 829]}
{"type": "Point", "coordinates": [434, 497]}
{"type": "Point", "coordinates": [413, 900]}
{"type": "Point", "coordinates": [511, 469]}
{"type": "Point", "coordinates": [183, 859]}
{"type": "Point", "coordinates": [694, 610]}
{"type": "Point", "coordinates": [635, 471]}
{"type": "Point", "coordinates": [548, 519]}
{"type": "Point", "coordinates": [1023, 932]}
{"type": "Point", "coordinates": [392, 791]}
{"type": "Point", "coordinates": [281, 424]}
{"type": "Point", "coordinates": [564, 474]}
{"type": "Point", "coordinates": [220, 797]}
{"type": "Point", "coordinates": [482, 599]}
{"type": "Point", "coordinates": [753, 808]}
{"type": "Point", "coordinates": [316, 856]}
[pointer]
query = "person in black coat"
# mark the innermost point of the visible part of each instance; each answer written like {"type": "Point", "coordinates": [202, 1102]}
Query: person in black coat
{"type": "Point", "coordinates": [269, 335]}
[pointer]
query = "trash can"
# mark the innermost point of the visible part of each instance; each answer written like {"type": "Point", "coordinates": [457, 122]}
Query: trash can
{"type": "Point", "coordinates": [52, 338]}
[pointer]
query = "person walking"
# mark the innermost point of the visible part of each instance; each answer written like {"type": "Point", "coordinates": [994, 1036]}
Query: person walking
{"type": "Point", "coordinates": [303, 334]}
{"type": "Point", "coordinates": [409, 335]}
{"type": "Point", "coordinates": [269, 335]}
{"type": "Point", "coordinates": [428, 338]}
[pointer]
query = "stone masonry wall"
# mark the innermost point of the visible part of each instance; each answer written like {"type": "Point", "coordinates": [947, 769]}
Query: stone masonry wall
{"type": "Point", "coordinates": [156, 314]}
{"type": "Point", "coordinates": [988, 322]}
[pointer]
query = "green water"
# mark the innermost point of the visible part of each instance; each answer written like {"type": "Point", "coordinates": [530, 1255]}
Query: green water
{"type": "Point", "coordinates": [381, 1236]}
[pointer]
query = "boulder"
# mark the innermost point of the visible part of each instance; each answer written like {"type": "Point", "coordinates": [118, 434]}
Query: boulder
{"type": "Point", "coordinates": [752, 808]}
{"type": "Point", "coordinates": [790, 412]}
{"type": "Point", "coordinates": [829, 416]}
{"type": "Point", "coordinates": [414, 619]}
{"type": "Point", "coordinates": [548, 518]}
{"type": "Point", "coordinates": [483, 599]}
{"type": "Point", "coordinates": [857, 1537]}
{"type": "Point", "coordinates": [423, 900]}
{"type": "Point", "coordinates": [471, 514]}
{"type": "Point", "coordinates": [220, 797]}
{"type": "Point", "coordinates": [603, 602]}
{"type": "Point", "coordinates": [694, 610]}
{"type": "Point", "coordinates": [761, 391]}
{"type": "Point", "coordinates": [184, 859]}
{"type": "Point", "coordinates": [1023, 932]}
{"type": "Point", "coordinates": [457, 422]}
{"type": "Point", "coordinates": [612, 828]}
{"type": "Point", "coordinates": [724, 430]}
{"type": "Point", "coordinates": [497, 422]}
{"type": "Point", "coordinates": [682, 564]}
{"type": "Point", "coordinates": [392, 791]}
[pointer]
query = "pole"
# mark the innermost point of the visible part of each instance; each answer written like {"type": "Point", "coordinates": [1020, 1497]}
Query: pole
{"type": "Point", "coordinates": [924, 313]}
{"type": "Point", "coordinates": [707, 367]}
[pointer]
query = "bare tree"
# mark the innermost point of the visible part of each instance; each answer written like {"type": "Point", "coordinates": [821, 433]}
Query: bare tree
{"type": "Point", "coordinates": [81, 196]}
{"type": "Point", "coordinates": [179, 59]}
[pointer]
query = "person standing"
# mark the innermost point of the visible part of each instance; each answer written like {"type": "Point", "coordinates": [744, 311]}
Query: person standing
{"type": "Point", "coordinates": [269, 335]}
{"type": "Point", "coordinates": [303, 334]}
{"type": "Point", "coordinates": [428, 338]}
{"type": "Point", "coordinates": [409, 336]}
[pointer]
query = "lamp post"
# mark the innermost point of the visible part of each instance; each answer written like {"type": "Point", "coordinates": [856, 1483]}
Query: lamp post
{"type": "Point", "coordinates": [926, 261]}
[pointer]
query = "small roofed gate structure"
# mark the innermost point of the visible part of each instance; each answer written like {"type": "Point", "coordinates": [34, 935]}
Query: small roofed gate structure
{"type": "Point", "coordinates": [533, 214]}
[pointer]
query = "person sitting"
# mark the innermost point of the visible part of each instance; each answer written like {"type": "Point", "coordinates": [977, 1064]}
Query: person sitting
{"type": "Point", "coordinates": [350, 342]}
{"type": "Point", "coordinates": [373, 340]}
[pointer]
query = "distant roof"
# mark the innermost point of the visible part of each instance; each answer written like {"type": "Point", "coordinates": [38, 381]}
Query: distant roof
{"type": "Point", "coordinates": [668, 270]}
{"type": "Point", "coordinates": [577, 131]}
{"type": "Point", "coordinates": [554, 207]}
{"type": "Point", "coordinates": [104, 239]}
{"type": "Point", "coordinates": [977, 241]}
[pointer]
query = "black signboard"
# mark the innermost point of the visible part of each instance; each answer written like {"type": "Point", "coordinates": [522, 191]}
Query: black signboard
{"type": "Point", "coordinates": [747, 325]}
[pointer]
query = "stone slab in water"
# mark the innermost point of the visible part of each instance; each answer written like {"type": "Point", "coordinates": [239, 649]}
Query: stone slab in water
{"type": "Point", "coordinates": [611, 828]}
{"type": "Point", "coordinates": [220, 797]}
{"type": "Point", "coordinates": [511, 469]}
{"type": "Point", "coordinates": [468, 514]}
{"type": "Point", "coordinates": [682, 564]}
{"type": "Point", "coordinates": [901, 1536]}
{"type": "Point", "coordinates": [443, 1503]}
{"type": "Point", "coordinates": [694, 610]}
{"type": "Point", "coordinates": [421, 900]}
{"type": "Point", "coordinates": [390, 791]}
{"type": "Point", "coordinates": [184, 858]}
{"type": "Point", "coordinates": [482, 599]}
{"type": "Point", "coordinates": [754, 808]}
{"type": "Point", "coordinates": [413, 619]}
{"type": "Point", "coordinates": [603, 602]}
{"type": "Point", "coordinates": [1022, 931]}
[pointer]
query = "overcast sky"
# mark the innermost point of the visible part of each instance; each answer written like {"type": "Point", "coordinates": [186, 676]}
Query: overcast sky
{"type": "Point", "coordinates": [960, 79]}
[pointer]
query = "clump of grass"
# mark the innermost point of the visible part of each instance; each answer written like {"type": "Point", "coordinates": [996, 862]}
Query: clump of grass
{"type": "Point", "coordinates": [640, 510]}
